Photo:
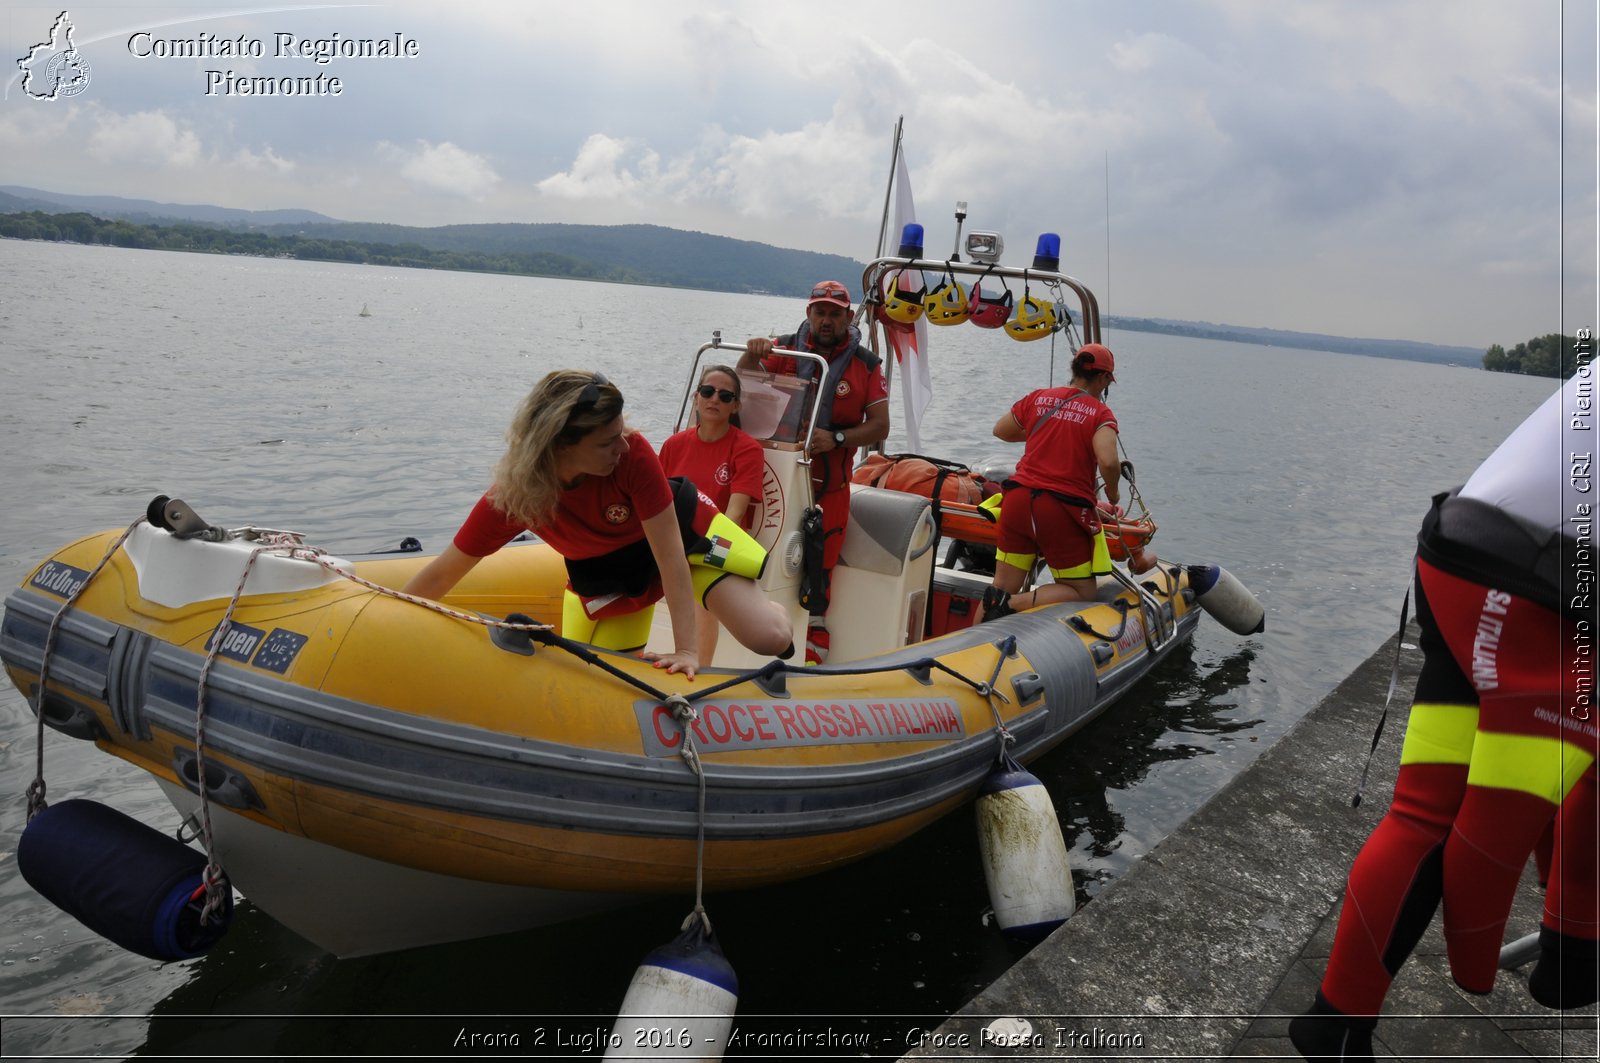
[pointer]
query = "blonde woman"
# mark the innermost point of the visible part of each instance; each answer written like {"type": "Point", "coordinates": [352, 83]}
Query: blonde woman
{"type": "Point", "coordinates": [721, 460]}
{"type": "Point", "coordinates": [578, 477]}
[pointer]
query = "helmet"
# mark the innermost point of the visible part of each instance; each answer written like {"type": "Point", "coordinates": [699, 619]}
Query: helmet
{"type": "Point", "coordinates": [903, 300]}
{"type": "Point", "coordinates": [946, 304]}
{"type": "Point", "coordinates": [1095, 356]}
{"type": "Point", "coordinates": [987, 311]}
{"type": "Point", "coordinates": [1034, 319]}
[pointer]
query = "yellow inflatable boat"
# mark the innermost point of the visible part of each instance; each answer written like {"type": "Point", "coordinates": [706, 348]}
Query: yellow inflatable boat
{"type": "Point", "coordinates": [380, 773]}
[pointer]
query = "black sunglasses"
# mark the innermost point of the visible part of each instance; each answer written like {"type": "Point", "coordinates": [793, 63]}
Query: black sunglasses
{"type": "Point", "coordinates": [835, 294]}
{"type": "Point", "coordinates": [705, 391]}
{"type": "Point", "coordinates": [591, 391]}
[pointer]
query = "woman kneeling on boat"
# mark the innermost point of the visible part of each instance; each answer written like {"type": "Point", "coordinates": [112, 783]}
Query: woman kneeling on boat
{"type": "Point", "coordinates": [1049, 506]}
{"type": "Point", "coordinates": [578, 477]}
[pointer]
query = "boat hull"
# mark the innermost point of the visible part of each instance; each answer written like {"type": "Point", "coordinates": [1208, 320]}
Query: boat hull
{"type": "Point", "coordinates": [478, 785]}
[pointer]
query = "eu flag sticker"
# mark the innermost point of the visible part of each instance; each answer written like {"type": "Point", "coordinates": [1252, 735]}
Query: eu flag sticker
{"type": "Point", "coordinates": [279, 650]}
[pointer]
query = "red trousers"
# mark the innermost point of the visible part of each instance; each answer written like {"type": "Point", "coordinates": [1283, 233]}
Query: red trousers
{"type": "Point", "coordinates": [1501, 735]}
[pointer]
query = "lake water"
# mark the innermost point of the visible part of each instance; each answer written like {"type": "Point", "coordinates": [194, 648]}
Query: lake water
{"type": "Point", "coordinates": [253, 389]}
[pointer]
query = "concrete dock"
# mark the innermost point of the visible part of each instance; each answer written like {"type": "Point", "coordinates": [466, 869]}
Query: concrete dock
{"type": "Point", "coordinates": [1220, 935]}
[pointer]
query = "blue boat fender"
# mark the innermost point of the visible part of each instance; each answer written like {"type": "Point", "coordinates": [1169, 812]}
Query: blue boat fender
{"type": "Point", "coordinates": [1228, 601]}
{"type": "Point", "coordinates": [1025, 863]}
{"type": "Point", "coordinates": [681, 1001]}
{"type": "Point", "coordinates": [126, 881]}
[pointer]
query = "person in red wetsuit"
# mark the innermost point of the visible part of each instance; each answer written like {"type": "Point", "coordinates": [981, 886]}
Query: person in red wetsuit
{"type": "Point", "coordinates": [855, 413]}
{"type": "Point", "coordinates": [721, 460]}
{"type": "Point", "coordinates": [578, 477]}
{"type": "Point", "coordinates": [1048, 507]}
{"type": "Point", "coordinates": [1501, 735]}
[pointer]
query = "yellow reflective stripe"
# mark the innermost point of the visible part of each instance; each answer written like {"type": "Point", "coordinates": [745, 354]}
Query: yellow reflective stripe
{"type": "Point", "coordinates": [1099, 563]}
{"type": "Point", "coordinates": [1439, 733]}
{"type": "Point", "coordinates": [1022, 561]}
{"type": "Point", "coordinates": [1544, 767]}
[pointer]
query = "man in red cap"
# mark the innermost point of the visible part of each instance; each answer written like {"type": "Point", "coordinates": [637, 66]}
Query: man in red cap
{"type": "Point", "coordinates": [855, 413]}
{"type": "Point", "coordinates": [1049, 505]}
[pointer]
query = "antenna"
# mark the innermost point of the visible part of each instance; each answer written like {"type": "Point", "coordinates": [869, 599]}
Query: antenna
{"type": "Point", "coordinates": [961, 216]}
{"type": "Point", "coordinates": [1108, 233]}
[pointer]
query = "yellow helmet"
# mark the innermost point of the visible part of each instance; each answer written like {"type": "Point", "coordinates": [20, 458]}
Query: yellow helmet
{"type": "Point", "coordinates": [1034, 319]}
{"type": "Point", "coordinates": [902, 301]}
{"type": "Point", "coordinates": [946, 304]}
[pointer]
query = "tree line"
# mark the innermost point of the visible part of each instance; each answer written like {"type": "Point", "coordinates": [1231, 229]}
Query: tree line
{"type": "Point", "coordinates": [1549, 355]}
{"type": "Point", "coordinates": [84, 228]}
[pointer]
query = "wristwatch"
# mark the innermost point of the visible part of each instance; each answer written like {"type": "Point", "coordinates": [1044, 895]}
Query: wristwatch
{"type": "Point", "coordinates": [838, 437]}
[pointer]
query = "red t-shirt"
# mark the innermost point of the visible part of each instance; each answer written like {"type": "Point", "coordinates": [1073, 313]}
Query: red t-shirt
{"type": "Point", "coordinates": [601, 514]}
{"type": "Point", "coordinates": [729, 466]}
{"type": "Point", "coordinates": [858, 388]}
{"type": "Point", "coordinates": [1059, 452]}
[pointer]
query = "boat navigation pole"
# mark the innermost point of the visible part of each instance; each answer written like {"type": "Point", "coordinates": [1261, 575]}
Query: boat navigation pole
{"type": "Point", "coordinates": [1108, 233]}
{"type": "Point", "coordinates": [888, 191]}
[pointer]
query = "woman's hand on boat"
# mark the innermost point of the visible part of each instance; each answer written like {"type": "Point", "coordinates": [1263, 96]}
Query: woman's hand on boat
{"type": "Point", "coordinates": [685, 661]}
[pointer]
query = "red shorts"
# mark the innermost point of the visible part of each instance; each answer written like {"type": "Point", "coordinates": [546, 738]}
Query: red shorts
{"type": "Point", "coordinates": [1036, 522]}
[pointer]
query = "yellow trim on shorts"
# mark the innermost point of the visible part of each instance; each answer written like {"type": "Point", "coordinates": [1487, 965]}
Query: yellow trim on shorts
{"type": "Point", "coordinates": [629, 631]}
{"type": "Point", "coordinates": [1099, 563]}
{"type": "Point", "coordinates": [1022, 561]}
{"type": "Point", "coordinates": [1439, 733]}
{"type": "Point", "coordinates": [1532, 764]}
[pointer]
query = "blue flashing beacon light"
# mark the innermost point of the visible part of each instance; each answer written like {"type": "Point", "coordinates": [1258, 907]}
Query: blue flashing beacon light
{"type": "Point", "coordinates": [1047, 252]}
{"type": "Point", "coordinates": [911, 240]}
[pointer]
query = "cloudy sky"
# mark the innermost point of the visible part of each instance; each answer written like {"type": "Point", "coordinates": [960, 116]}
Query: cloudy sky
{"type": "Point", "coordinates": [1417, 169]}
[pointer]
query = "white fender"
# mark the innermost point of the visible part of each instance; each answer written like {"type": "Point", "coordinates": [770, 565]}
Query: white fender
{"type": "Point", "coordinates": [680, 1003]}
{"type": "Point", "coordinates": [1025, 861]}
{"type": "Point", "coordinates": [1227, 600]}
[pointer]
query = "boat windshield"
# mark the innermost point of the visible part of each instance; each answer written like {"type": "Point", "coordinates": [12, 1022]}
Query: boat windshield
{"type": "Point", "coordinates": [774, 406]}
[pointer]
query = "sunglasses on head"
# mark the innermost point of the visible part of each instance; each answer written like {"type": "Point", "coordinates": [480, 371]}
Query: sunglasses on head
{"type": "Point", "coordinates": [836, 294]}
{"type": "Point", "coordinates": [705, 391]}
{"type": "Point", "coordinates": [591, 391]}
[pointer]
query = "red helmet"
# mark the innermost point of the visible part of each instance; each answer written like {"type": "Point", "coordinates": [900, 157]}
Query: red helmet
{"type": "Point", "coordinates": [1096, 356]}
{"type": "Point", "coordinates": [989, 311]}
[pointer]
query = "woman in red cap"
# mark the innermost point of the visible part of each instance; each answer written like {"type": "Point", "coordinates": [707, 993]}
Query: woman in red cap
{"type": "Point", "coordinates": [1049, 508]}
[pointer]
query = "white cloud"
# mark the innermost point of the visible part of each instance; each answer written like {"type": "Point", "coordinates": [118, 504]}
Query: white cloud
{"type": "Point", "coordinates": [603, 169]}
{"type": "Point", "coordinates": [443, 168]}
{"type": "Point", "coordinates": [146, 139]}
{"type": "Point", "coordinates": [266, 160]}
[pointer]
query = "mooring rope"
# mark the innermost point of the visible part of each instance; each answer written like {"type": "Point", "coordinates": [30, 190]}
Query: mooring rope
{"type": "Point", "coordinates": [686, 715]}
{"type": "Point", "coordinates": [37, 789]}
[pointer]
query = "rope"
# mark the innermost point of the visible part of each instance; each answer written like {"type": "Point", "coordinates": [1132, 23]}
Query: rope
{"type": "Point", "coordinates": [1394, 681]}
{"type": "Point", "coordinates": [1007, 647]}
{"type": "Point", "coordinates": [686, 715]}
{"type": "Point", "coordinates": [37, 789]}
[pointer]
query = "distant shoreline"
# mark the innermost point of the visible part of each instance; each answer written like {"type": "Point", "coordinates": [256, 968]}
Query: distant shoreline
{"type": "Point", "coordinates": [531, 250]}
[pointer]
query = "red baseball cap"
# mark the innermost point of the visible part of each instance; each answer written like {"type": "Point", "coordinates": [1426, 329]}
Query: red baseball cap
{"type": "Point", "coordinates": [831, 292]}
{"type": "Point", "coordinates": [1097, 356]}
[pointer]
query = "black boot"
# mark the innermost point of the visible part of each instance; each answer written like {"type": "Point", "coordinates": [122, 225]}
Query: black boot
{"type": "Point", "coordinates": [1565, 976]}
{"type": "Point", "coordinates": [1327, 1035]}
{"type": "Point", "coordinates": [996, 603]}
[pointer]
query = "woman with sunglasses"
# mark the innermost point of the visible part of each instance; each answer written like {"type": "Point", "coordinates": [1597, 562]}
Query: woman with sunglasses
{"type": "Point", "coordinates": [578, 477]}
{"type": "Point", "coordinates": [721, 460]}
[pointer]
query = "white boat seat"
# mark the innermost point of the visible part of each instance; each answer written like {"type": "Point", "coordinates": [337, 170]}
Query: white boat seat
{"type": "Point", "coordinates": [888, 530]}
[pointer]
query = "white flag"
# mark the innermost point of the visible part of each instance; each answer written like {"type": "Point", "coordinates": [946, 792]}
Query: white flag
{"type": "Point", "coordinates": [910, 346]}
